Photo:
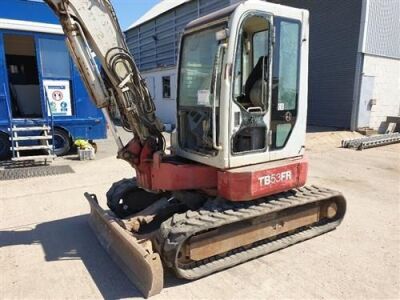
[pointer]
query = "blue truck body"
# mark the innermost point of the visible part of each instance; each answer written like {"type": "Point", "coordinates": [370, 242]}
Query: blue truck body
{"type": "Point", "coordinates": [34, 21]}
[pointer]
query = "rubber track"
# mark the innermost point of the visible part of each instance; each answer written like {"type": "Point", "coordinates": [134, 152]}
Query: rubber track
{"type": "Point", "coordinates": [215, 213]}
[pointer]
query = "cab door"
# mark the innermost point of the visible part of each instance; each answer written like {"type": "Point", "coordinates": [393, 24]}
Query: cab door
{"type": "Point", "coordinates": [269, 107]}
{"type": "Point", "coordinates": [249, 122]}
{"type": "Point", "coordinates": [289, 85]}
{"type": "Point", "coordinates": [285, 85]}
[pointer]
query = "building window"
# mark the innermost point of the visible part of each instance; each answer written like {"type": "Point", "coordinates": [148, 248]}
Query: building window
{"type": "Point", "coordinates": [166, 87]}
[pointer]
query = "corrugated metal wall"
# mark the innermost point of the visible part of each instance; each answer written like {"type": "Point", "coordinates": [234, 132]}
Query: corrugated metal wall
{"type": "Point", "coordinates": [334, 36]}
{"type": "Point", "coordinates": [154, 44]}
{"type": "Point", "coordinates": [382, 35]}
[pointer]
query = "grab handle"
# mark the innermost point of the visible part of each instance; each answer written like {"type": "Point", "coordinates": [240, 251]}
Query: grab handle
{"type": "Point", "coordinates": [218, 63]}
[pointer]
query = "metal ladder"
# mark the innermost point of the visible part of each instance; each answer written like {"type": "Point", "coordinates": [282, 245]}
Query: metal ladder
{"type": "Point", "coordinates": [42, 138]}
{"type": "Point", "coordinates": [38, 131]}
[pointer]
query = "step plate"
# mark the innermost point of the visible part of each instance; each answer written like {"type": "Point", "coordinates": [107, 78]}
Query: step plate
{"type": "Point", "coordinates": [31, 138]}
{"type": "Point", "coordinates": [35, 128]}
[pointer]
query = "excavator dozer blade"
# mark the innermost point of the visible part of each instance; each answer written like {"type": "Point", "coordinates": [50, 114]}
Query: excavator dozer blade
{"type": "Point", "coordinates": [142, 266]}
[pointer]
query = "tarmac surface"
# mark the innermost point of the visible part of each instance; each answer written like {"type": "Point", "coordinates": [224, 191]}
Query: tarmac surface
{"type": "Point", "coordinates": [48, 251]}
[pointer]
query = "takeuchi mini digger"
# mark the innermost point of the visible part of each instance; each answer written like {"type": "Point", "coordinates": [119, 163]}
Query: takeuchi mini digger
{"type": "Point", "coordinates": [233, 188]}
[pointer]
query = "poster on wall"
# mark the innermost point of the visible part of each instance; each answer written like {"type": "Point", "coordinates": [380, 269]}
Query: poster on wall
{"type": "Point", "coordinates": [59, 95]}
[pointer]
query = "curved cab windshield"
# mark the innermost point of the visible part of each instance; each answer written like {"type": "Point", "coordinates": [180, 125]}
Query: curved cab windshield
{"type": "Point", "coordinates": [197, 63]}
{"type": "Point", "coordinates": [196, 95]}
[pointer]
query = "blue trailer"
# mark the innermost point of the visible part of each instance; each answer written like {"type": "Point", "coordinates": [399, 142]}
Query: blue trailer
{"type": "Point", "coordinates": [43, 100]}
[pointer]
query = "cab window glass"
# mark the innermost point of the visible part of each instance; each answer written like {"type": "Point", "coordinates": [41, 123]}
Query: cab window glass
{"type": "Point", "coordinates": [199, 50]}
{"type": "Point", "coordinates": [288, 64]}
{"type": "Point", "coordinates": [260, 42]}
{"type": "Point", "coordinates": [285, 80]}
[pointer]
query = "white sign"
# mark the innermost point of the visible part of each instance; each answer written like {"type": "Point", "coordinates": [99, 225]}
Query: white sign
{"type": "Point", "coordinates": [203, 97]}
{"type": "Point", "coordinates": [58, 94]}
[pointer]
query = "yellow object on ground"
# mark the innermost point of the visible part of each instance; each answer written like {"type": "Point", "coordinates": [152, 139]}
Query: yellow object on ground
{"type": "Point", "coordinates": [82, 144]}
{"type": "Point", "coordinates": [85, 150]}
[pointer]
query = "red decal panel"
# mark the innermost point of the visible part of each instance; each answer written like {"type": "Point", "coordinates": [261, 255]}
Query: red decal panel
{"type": "Point", "coordinates": [172, 177]}
{"type": "Point", "coordinates": [249, 183]}
{"type": "Point", "coordinates": [159, 174]}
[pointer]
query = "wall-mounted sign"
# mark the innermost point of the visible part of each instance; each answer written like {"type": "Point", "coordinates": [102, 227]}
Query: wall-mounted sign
{"type": "Point", "coordinates": [58, 94]}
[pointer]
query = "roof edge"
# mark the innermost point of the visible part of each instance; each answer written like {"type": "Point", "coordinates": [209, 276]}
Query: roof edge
{"type": "Point", "coordinates": [11, 24]}
{"type": "Point", "coordinates": [157, 10]}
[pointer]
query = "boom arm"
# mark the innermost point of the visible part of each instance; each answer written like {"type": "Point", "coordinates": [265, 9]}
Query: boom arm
{"type": "Point", "coordinates": [93, 31]}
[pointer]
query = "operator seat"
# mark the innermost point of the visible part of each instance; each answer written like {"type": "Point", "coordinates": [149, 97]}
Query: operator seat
{"type": "Point", "coordinates": [251, 137]}
{"type": "Point", "coordinates": [253, 86]}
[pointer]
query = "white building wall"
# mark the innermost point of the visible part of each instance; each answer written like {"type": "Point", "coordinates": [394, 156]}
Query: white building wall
{"type": "Point", "coordinates": [166, 107]}
{"type": "Point", "coordinates": [386, 89]}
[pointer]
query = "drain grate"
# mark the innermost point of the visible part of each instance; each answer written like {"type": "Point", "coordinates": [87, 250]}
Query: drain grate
{"type": "Point", "coordinates": [39, 171]}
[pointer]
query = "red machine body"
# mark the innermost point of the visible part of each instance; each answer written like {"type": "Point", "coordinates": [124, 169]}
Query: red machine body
{"type": "Point", "coordinates": [166, 173]}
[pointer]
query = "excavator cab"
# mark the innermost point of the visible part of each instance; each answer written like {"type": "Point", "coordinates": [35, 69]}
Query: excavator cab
{"type": "Point", "coordinates": [242, 87]}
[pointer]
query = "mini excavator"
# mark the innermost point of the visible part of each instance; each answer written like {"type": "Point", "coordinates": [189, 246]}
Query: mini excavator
{"type": "Point", "coordinates": [233, 187]}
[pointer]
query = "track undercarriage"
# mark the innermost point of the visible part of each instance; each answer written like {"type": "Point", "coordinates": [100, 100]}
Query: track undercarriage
{"type": "Point", "coordinates": [196, 235]}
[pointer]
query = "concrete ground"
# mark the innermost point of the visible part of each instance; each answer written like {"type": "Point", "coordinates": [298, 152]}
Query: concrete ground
{"type": "Point", "coordinates": [47, 250]}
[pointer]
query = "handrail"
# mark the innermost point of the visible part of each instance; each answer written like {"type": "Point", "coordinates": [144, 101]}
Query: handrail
{"type": "Point", "coordinates": [48, 111]}
{"type": "Point", "coordinates": [10, 119]}
{"type": "Point", "coordinates": [217, 72]}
